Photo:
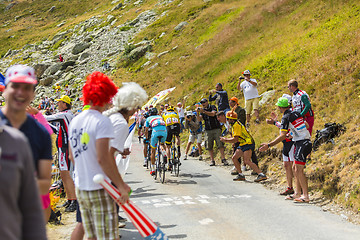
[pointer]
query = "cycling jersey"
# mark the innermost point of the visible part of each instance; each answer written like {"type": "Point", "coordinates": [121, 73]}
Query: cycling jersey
{"type": "Point", "coordinates": [171, 118]}
{"type": "Point", "coordinates": [301, 103]}
{"type": "Point", "coordinates": [64, 119]}
{"type": "Point", "coordinates": [238, 130]}
{"type": "Point", "coordinates": [158, 129]}
{"type": "Point", "coordinates": [295, 122]}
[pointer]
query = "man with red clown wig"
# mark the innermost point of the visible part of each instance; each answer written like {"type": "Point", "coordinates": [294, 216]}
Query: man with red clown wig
{"type": "Point", "coordinates": [89, 134]}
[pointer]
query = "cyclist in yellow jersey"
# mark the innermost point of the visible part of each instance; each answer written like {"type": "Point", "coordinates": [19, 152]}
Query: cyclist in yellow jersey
{"type": "Point", "coordinates": [173, 128]}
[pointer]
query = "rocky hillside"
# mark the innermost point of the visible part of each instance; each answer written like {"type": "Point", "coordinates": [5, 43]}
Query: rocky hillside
{"type": "Point", "coordinates": [195, 44]}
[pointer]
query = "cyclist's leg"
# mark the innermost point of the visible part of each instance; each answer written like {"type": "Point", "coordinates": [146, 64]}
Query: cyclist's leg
{"type": "Point", "coordinates": [168, 141]}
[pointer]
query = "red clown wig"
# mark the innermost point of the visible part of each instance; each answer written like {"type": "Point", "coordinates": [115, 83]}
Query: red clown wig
{"type": "Point", "coordinates": [98, 89]}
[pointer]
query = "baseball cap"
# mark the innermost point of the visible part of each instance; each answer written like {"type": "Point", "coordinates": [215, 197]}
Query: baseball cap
{"type": "Point", "coordinates": [64, 99]}
{"type": "Point", "coordinates": [246, 72]}
{"type": "Point", "coordinates": [235, 100]}
{"type": "Point", "coordinates": [282, 102]}
{"type": "Point", "coordinates": [204, 100]}
{"type": "Point", "coordinates": [20, 74]}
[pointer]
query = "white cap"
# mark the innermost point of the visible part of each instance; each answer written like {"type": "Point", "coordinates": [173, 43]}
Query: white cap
{"type": "Point", "coordinates": [20, 74]}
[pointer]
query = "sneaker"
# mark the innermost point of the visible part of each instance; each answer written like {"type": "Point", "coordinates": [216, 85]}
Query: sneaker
{"type": "Point", "coordinates": [121, 219]}
{"type": "Point", "coordinates": [200, 158]}
{"type": "Point", "coordinates": [239, 177]}
{"type": "Point", "coordinates": [254, 173]}
{"type": "Point", "coordinates": [145, 162]}
{"type": "Point", "coordinates": [234, 172]}
{"type": "Point", "coordinates": [261, 177]}
{"type": "Point", "coordinates": [185, 158]}
{"type": "Point", "coordinates": [72, 206]}
{"type": "Point", "coordinates": [212, 163]}
{"type": "Point", "coordinates": [152, 173]}
{"type": "Point", "coordinates": [225, 162]}
{"type": "Point", "coordinates": [121, 225]}
{"type": "Point", "coordinates": [66, 204]}
{"type": "Point", "coordinates": [288, 191]}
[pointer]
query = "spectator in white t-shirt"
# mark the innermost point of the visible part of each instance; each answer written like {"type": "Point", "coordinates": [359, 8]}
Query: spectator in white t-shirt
{"type": "Point", "coordinates": [249, 88]}
{"type": "Point", "coordinates": [89, 135]}
{"type": "Point", "coordinates": [181, 111]}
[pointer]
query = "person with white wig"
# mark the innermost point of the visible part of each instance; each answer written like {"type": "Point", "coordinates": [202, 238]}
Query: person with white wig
{"type": "Point", "coordinates": [126, 102]}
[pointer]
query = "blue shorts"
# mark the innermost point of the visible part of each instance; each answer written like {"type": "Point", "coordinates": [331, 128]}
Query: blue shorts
{"type": "Point", "coordinates": [154, 137]}
{"type": "Point", "coordinates": [247, 147]}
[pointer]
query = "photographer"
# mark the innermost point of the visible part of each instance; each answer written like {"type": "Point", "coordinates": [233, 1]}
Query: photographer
{"type": "Point", "coordinates": [212, 128]}
{"type": "Point", "coordinates": [195, 127]}
{"type": "Point", "coordinates": [249, 88]}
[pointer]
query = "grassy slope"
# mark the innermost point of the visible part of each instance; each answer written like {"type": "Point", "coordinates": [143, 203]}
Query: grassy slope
{"type": "Point", "coordinates": [314, 41]}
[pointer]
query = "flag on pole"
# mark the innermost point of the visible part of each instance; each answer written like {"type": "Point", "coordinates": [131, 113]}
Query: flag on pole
{"type": "Point", "coordinates": [123, 162]}
{"type": "Point", "coordinates": [158, 97]}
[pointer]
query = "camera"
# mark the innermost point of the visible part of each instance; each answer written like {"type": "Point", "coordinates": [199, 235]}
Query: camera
{"type": "Point", "coordinates": [241, 77]}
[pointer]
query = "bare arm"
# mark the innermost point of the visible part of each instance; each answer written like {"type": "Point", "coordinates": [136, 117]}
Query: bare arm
{"type": "Point", "coordinates": [229, 140]}
{"type": "Point", "coordinates": [44, 176]}
{"type": "Point", "coordinates": [266, 146]}
{"type": "Point", "coordinates": [108, 165]}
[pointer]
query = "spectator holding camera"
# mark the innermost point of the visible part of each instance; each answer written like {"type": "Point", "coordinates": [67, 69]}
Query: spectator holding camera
{"type": "Point", "coordinates": [249, 88]}
{"type": "Point", "coordinates": [195, 126]}
{"type": "Point", "coordinates": [212, 129]}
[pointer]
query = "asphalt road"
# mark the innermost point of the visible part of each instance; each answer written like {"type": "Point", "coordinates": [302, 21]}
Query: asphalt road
{"type": "Point", "coordinates": [204, 203]}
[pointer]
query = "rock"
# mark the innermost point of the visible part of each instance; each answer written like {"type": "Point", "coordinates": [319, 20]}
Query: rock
{"type": "Point", "coordinates": [146, 64]}
{"type": "Point", "coordinates": [110, 18]}
{"type": "Point", "coordinates": [84, 55]}
{"type": "Point", "coordinates": [52, 9]}
{"type": "Point", "coordinates": [149, 55]}
{"type": "Point", "coordinates": [69, 76]}
{"type": "Point", "coordinates": [266, 96]}
{"type": "Point", "coordinates": [163, 53]}
{"type": "Point", "coordinates": [9, 6]}
{"type": "Point", "coordinates": [162, 34]}
{"type": "Point", "coordinates": [67, 64]}
{"type": "Point", "coordinates": [48, 80]}
{"type": "Point", "coordinates": [61, 24]}
{"type": "Point", "coordinates": [79, 47]}
{"type": "Point", "coordinates": [117, 7]}
{"type": "Point", "coordinates": [180, 26]}
{"type": "Point", "coordinates": [153, 66]}
{"type": "Point", "coordinates": [69, 68]}
{"type": "Point", "coordinates": [53, 69]}
{"type": "Point", "coordinates": [40, 69]}
{"type": "Point", "coordinates": [138, 52]}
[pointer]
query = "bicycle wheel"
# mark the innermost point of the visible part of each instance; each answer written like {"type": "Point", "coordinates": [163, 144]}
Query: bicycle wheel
{"type": "Point", "coordinates": [156, 165]}
{"type": "Point", "coordinates": [148, 156]}
{"type": "Point", "coordinates": [163, 169]}
{"type": "Point", "coordinates": [176, 167]}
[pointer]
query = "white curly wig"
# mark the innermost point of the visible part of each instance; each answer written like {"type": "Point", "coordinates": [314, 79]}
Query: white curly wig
{"type": "Point", "coordinates": [130, 96]}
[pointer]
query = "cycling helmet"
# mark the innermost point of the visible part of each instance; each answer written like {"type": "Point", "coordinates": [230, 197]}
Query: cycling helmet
{"type": "Point", "coordinates": [231, 115]}
{"type": "Point", "coordinates": [153, 111]}
{"type": "Point", "coordinates": [146, 115]}
{"type": "Point", "coordinates": [170, 109]}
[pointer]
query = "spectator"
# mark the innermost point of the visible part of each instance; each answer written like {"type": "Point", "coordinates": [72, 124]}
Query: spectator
{"type": "Point", "coordinates": [61, 59]}
{"type": "Point", "coordinates": [249, 88]}
{"type": "Point", "coordinates": [287, 152]}
{"type": "Point", "coordinates": [212, 128]}
{"type": "Point", "coordinates": [241, 114]}
{"type": "Point", "coordinates": [181, 111]}
{"type": "Point", "coordinates": [64, 117]}
{"type": "Point", "coordinates": [57, 90]}
{"type": "Point", "coordinates": [67, 90]}
{"type": "Point", "coordinates": [195, 126]}
{"type": "Point", "coordinates": [245, 148]}
{"type": "Point", "coordinates": [20, 81]}
{"type": "Point", "coordinates": [223, 104]}
{"type": "Point", "coordinates": [105, 66]}
{"type": "Point", "coordinates": [301, 103]}
{"type": "Point", "coordinates": [19, 196]}
{"type": "Point", "coordinates": [90, 133]}
{"type": "Point", "coordinates": [302, 143]}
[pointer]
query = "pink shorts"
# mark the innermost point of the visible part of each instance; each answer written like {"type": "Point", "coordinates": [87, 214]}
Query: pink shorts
{"type": "Point", "coordinates": [45, 199]}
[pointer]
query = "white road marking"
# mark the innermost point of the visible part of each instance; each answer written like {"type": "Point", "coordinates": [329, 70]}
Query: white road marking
{"type": "Point", "coordinates": [242, 196]}
{"type": "Point", "coordinates": [187, 197]}
{"type": "Point", "coordinates": [206, 221]}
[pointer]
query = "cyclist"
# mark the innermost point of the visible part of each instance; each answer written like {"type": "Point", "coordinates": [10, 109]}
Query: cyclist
{"type": "Point", "coordinates": [158, 126]}
{"type": "Point", "coordinates": [146, 140]}
{"type": "Point", "coordinates": [173, 128]}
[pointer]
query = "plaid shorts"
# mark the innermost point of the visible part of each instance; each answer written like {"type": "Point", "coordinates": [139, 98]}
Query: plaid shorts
{"type": "Point", "coordinates": [98, 213]}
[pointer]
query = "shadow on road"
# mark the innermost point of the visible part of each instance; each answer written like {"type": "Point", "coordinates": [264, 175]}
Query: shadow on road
{"type": "Point", "coordinates": [195, 175]}
{"type": "Point", "coordinates": [178, 182]}
{"type": "Point", "coordinates": [142, 192]}
{"type": "Point", "coordinates": [177, 236]}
